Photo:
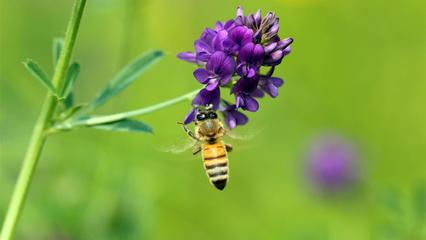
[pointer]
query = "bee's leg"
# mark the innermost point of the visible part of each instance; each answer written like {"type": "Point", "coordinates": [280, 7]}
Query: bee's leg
{"type": "Point", "coordinates": [196, 149]}
{"type": "Point", "coordinates": [189, 132]}
{"type": "Point", "coordinates": [228, 147]}
{"type": "Point", "coordinates": [222, 131]}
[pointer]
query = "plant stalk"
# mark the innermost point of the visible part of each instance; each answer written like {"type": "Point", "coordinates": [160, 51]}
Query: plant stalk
{"type": "Point", "coordinates": [96, 120]}
{"type": "Point", "coordinates": [44, 121]}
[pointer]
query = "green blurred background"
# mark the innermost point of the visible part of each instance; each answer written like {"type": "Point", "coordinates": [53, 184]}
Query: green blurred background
{"type": "Point", "coordinates": [358, 68]}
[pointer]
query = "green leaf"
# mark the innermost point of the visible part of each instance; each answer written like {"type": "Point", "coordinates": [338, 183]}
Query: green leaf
{"type": "Point", "coordinates": [69, 101]}
{"type": "Point", "coordinates": [70, 78]}
{"type": "Point", "coordinates": [124, 125]}
{"type": "Point", "coordinates": [40, 75]}
{"type": "Point", "coordinates": [58, 44]}
{"type": "Point", "coordinates": [126, 77]}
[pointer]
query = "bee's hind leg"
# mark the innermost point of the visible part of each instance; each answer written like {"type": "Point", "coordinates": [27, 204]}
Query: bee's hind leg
{"type": "Point", "coordinates": [228, 147]}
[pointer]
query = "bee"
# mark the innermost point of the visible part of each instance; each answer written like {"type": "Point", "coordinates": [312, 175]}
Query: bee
{"type": "Point", "coordinates": [209, 131]}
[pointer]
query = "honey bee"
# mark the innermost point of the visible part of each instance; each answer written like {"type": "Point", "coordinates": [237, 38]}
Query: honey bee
{"type": "Point", "coordinates": [209, 131]}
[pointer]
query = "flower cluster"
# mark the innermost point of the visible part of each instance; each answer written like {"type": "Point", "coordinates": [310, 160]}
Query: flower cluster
{"type": "Point", "coordinates": [231, 56]}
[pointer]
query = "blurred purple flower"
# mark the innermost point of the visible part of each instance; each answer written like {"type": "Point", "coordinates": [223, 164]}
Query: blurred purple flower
{"type": "Point", "coordinates": [332, 163]}
{"type": "Point", "coordinates": [231, 55]}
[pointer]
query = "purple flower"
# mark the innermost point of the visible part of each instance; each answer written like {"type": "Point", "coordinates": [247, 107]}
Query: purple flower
{"type": "Point", "coordinates": [249, 59]}
{"type": "Point", "coordinates": [270, 84]}
{"type": "Point", "coordinates": [276, 51]}
{"type": "Point", "coordinates": [265, 30]}
{"type": "Point", "coordinates": [232, 117]}
{"type": "Point", "coordinates": [246, 91]}
{"type": "Point", "coordinates": [206, 97]}
{"type": "Point", "coordinates": [190, 116]}
{"type": "Point", "coordinates": [238, 37]}
{"type": "Point", "coordinates": [188, 56]}
{"type": "Point", "coordinates": [332, 163]}
{"type": "Point", "coordinates": [232, 55]}
{"type": "Point", "coordinates": [269, 28]}
{"type": "Point", "coordinates": [219, 69]}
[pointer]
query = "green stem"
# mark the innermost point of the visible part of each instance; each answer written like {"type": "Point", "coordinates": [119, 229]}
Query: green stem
{"type": "Point", "coordinates": [38, 137]}
{"type": "Point", "coordinates": [72, 123]}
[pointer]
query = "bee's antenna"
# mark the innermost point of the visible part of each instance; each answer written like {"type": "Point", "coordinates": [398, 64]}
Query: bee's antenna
{"type": "Point", "coordinates": [180, 123]}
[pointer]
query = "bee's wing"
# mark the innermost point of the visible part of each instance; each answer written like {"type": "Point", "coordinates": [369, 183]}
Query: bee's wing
{"type": "Point", "coordinates": [179, 147]}
{"type": "Point", "coordinates": [240, 139]}
{"type": "Point", "coordinates": [247, 135]}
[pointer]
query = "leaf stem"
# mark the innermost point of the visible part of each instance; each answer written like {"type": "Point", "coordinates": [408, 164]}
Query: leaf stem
{"type": "Point", "coordinates": [72, 123]}
{"type": "Point", "coordinates": [38, 137]}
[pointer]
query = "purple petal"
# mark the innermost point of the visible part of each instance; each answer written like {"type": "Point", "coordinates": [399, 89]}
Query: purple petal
{"type": "Point", "coordinates": [274, 58]}
{"type": "Point", "coordinates": [239, 101]}
{"type": "Point", "coordinates": [215, 61]}
{"type": "Point", "coordinates": [190, 116]}
{"type": "Point", "coordinates": [252, 72]}
{"type": "Point", "coordinates": [205, 97]}
{"type": "Point", "coordinates": [203, 57]}
{"type": "Point", "coordinates": [258, 53]}
{"type": "Point", "coordinates": [208, 35]}
{"type": "Point", "coordinates": [271, 90]}
{"type": "Point", "coordinates": [257, 93]}
{"type": "Point", "coordinates": [240, 11]}
{"type": "Point", "coordinates": [258, 17]}
{"type": "Point", "coordinates": [240, 118]}
{"type": "Point", "coordinates": [246, 85]}
{"type": "Point", "coordinates": [230, 121]}
{"type": "Point", "coordinates": [277, 82]}
{"type": "Point", "coordinates": [227, 70]}
{"type": "Point", "coordinates": [241, 35]}
{"type": "Point", "coordinates": [271, 85]}
{"type": "Point", "coordinates": [219, 26]}
{"type": "Point", "coordinates": [202, 75]}
{"type": "Point", "coordinates": [275, 27]}
{"type": "Point", "coordinates": [286, 51]}
{"type": "Point", "coordinates": [215, 98]}
{"type": "Point", "coordinates": [201, 46]}
{"type": "Point", "coordinates": [213, 83]}
{"type": "Point", "coordinates": [218, 40]}
{"type": "Point", "coordinates": [187, 56]}
{"type": "Point", "coordinates": [229, 24]}
{"type": "Point", "coordinates": [202, 98]}
{"type": "Point", "coordinates": [250, 20]}
{"type": "Point", "coordinates": [269, 48]}
{"type": "Point", "coordinates": [284, 43]}
{"type": "Point", "coordinates": [251, 104]}
{"type": "Point", "coordinates": [245, 52]}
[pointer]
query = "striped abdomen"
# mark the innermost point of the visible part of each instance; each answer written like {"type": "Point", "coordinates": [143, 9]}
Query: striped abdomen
{"type": "Point", "coordinates": [216, 163]}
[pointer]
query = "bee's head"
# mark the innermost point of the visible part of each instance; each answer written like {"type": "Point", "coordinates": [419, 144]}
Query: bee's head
{"type": "Point", "coordinates": [205, 115]}
{"type": "Point", "coordinates": [206, 119]}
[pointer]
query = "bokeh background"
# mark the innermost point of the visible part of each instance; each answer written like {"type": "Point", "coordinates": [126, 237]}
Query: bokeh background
{"type": "Point", "coordinates": [357, 73]}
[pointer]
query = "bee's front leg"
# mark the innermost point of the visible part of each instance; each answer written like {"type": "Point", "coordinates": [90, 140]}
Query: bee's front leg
{"type": "Point", "coordinates": [189, 132]}
{"type": "Point", "coordinates": [228, 147]}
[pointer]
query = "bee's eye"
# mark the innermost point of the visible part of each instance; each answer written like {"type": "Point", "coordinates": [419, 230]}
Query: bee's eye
{"type": "Point", "coordinates": [201, 117]}
{"type": "Point", "coordinates": [212, 115]}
